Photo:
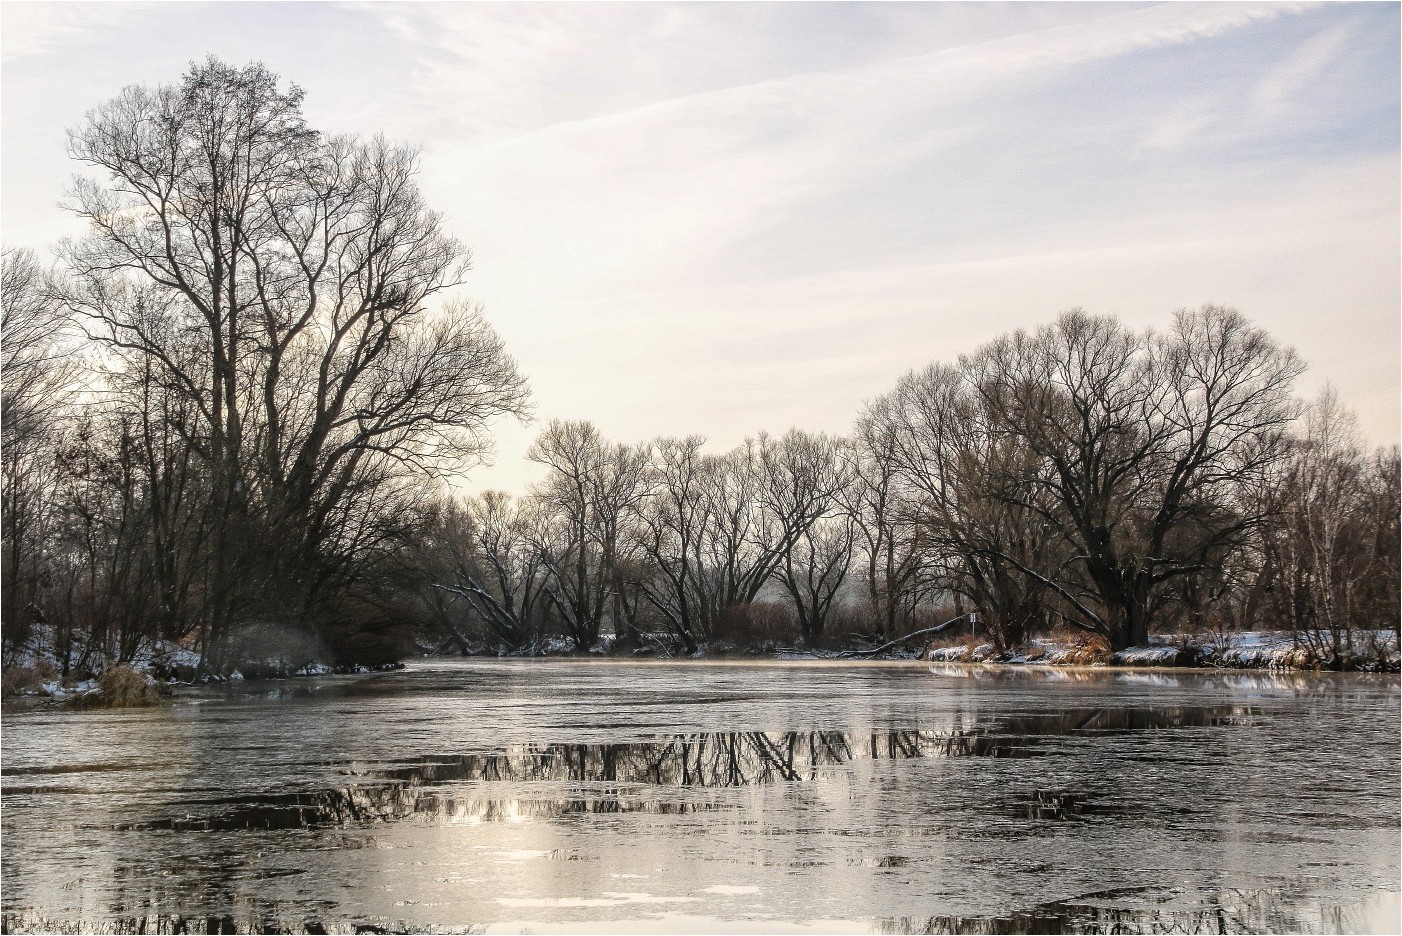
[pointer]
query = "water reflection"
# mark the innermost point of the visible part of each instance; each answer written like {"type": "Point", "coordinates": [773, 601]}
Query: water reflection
{"type": "Point", "coordinates": [605, 797]}
{"type": "Point", "coordinates": [1055, 806]}
{"type": "Point", "coordinates": [1235, 911]}
{"type": "Point", "coordinates": [460, 787]}
{"type": "Point", "coordinates": [606, 778]}
{"type": "Point", "coordinates": [176, 924]}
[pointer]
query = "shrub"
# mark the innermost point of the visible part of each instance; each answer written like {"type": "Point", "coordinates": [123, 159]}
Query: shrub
{"type": "Point", "coordinates": [757, 624]}
{"type": "Point", "coordinates": [1081, 647]}
{"type": "Point", "coordinates": [18, 679]}
{"type": "Point", "coordinates": [124, 687]}
{"type": "Point", "coordinates": [852, 624]}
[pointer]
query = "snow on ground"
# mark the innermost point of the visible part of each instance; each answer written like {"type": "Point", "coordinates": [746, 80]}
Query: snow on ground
{"type": "Point", "coordinates": [35, 668]}
{"type": "Point", "coordinates": [169, 656]}
{"type": "Point", "coordinates": [1146, 656]}
{"type": "Point", "coordinates": [1246, 650]}
{"type": "Point", "coordinates": [62, 693]}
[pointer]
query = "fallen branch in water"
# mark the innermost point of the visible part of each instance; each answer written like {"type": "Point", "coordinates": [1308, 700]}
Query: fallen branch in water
{"type": "Point", "coordinates": [907, 637]}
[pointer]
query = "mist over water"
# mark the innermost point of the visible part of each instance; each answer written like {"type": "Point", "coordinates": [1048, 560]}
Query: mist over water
{"type": "Point", "coordinates": [502, 796]}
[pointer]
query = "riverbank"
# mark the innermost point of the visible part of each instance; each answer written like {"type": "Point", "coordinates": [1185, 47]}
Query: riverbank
{"type": "Point", "coordinates": [1368, 651]}
{"type": "Point", "coordinates": [36, 678]}
{"type": "Point", "coordinates": [167, 667]}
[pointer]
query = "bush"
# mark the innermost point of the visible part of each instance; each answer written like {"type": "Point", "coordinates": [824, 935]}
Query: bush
{"type": "Point", "coordinates": [1080, 647]}
{"type": "Point", "coordinates": [758, 624]}
{"type": "Point", "coordinates": [124, 687]}
{"type": "Point", "coordinates": [851, 625]}
{"type": "Point", "coordinates": [18, 679]}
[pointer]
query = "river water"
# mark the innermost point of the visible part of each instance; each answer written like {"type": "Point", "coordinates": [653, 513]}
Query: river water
{"type": "Point", "coordinates": [515, 796]}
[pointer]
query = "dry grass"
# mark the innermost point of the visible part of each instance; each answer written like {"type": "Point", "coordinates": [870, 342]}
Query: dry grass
{"type": "Point", "coordinates": [1080, 647]}
{"type": "Point", "coordinates": [1298, 658]}
{"type": "Point", "coordinates": [19, 679]}
{"type": "Point", "coordinates": [124, 687]}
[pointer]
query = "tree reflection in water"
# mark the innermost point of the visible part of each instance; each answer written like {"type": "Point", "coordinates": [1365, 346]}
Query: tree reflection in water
{"type": "Point", "coordinates": [1227, 911]}
{"type": "Point", "coordinates": [1230, 911]}
{"type": "Point", "coordinates": [617, 777]}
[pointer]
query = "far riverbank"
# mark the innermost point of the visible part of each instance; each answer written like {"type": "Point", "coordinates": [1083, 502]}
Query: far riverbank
{"type": "Point", "coordinates": [156, 675]}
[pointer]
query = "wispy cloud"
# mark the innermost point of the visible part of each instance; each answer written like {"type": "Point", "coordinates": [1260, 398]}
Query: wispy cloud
{"type": "Point", "coordinates": [657, 189]}
{"type": "Point", "coordinates": [727, 217]}
{"type": "Point", "coordinates": [35, 28]}
{"type": "Point", "coordinates": [1278, 90]}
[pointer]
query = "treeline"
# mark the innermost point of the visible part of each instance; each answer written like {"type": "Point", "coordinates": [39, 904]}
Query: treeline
{"type": "Point", "coordinates": [1084, 476]}
{"type": "Point", "coordinates": [229, 411]}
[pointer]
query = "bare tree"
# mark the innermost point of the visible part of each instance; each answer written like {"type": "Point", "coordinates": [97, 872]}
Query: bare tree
{"type": "Point", "coordinates": [593, 487]}
{"type": "Point", "coordinates": [1147, 442]}
{"type": "Point", "coordinates": [1323, 543]}
{"type": "Point", "coordinates": [279, 281]}
{"type": "Point", "coordinates": [36, 359]}
{"type": "Point", "coordinates": [805, 480]}
{"type": "Point", "coordinates": [37, 371]}
{"type": "Point", "coordinates": [482, 557]}
{"type": "Point", "coordinates": [966, 488]}
{"type": "Point", "coordinates": [740, 539]}
{"type": "Point", "coordinates": [890, 545]}
{"type": "Point", "coordinates": [670, 529]}
{"type": "Point", "coordinates": [1381, 593]}
{"type": "Point", "coordinates": [111, 591]}
{"type": "Point", "coordinates": [761, 497]}
{"type": "Point", "coordinates": [618, 497]}
{"type": "Point", "coordinates": [814, 569]}
{"type": "Point", "coordinates": [573, 451]}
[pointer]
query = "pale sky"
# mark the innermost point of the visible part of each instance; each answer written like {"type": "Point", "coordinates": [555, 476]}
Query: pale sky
{"type": "Point", "coordinates": [726, 218]}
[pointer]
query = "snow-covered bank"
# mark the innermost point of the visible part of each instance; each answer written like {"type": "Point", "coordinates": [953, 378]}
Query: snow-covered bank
{"type": "Point", "coordinates": [37, 672]}
{"type": "Point", "coordinates": [152, 673]}
{"type": "Point", "coordinates": [1369, 651]}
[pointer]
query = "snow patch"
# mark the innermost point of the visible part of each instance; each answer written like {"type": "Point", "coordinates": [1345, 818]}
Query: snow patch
{"type": "Point", "coordinates": [1146, 656]}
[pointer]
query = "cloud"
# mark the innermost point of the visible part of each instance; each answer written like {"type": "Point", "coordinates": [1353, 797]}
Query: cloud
{"type": "Point", "coordinates": [1185, 123]}
{"type": "Point", "coordinates": [662, 190]}
{"type": "Point", "coordinates": [32, 29]}
{"type": "Point", "coordinates": [731, 217]}
{"type": "Point", "coordinates": [1279, 89]}
{"type": "Point", "coordinates": [496, 70]}
{"type": "Point", "coordinates": [735, 357]}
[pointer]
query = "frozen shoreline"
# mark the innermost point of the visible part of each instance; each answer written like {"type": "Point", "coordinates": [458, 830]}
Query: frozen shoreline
{"type": "Point", "coordinates": [1371, 651]}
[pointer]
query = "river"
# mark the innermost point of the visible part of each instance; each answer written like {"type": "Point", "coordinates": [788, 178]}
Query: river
{"type": "Point", "coordinates": [595, 796]}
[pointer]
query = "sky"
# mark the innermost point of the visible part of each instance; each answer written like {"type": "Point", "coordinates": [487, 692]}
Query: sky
{"type": "Point", "coordinates": [727, 218]}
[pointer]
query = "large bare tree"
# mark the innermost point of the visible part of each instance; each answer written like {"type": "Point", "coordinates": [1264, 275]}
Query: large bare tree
{"type": "Point", "coordinates": [1146, 444]}
{"type": "Point", "coordinates": [280, 280]}
{"type": "Point", "coordinates": [888, 540]}
{"type": "Point", "coordinates": [484, 572]}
